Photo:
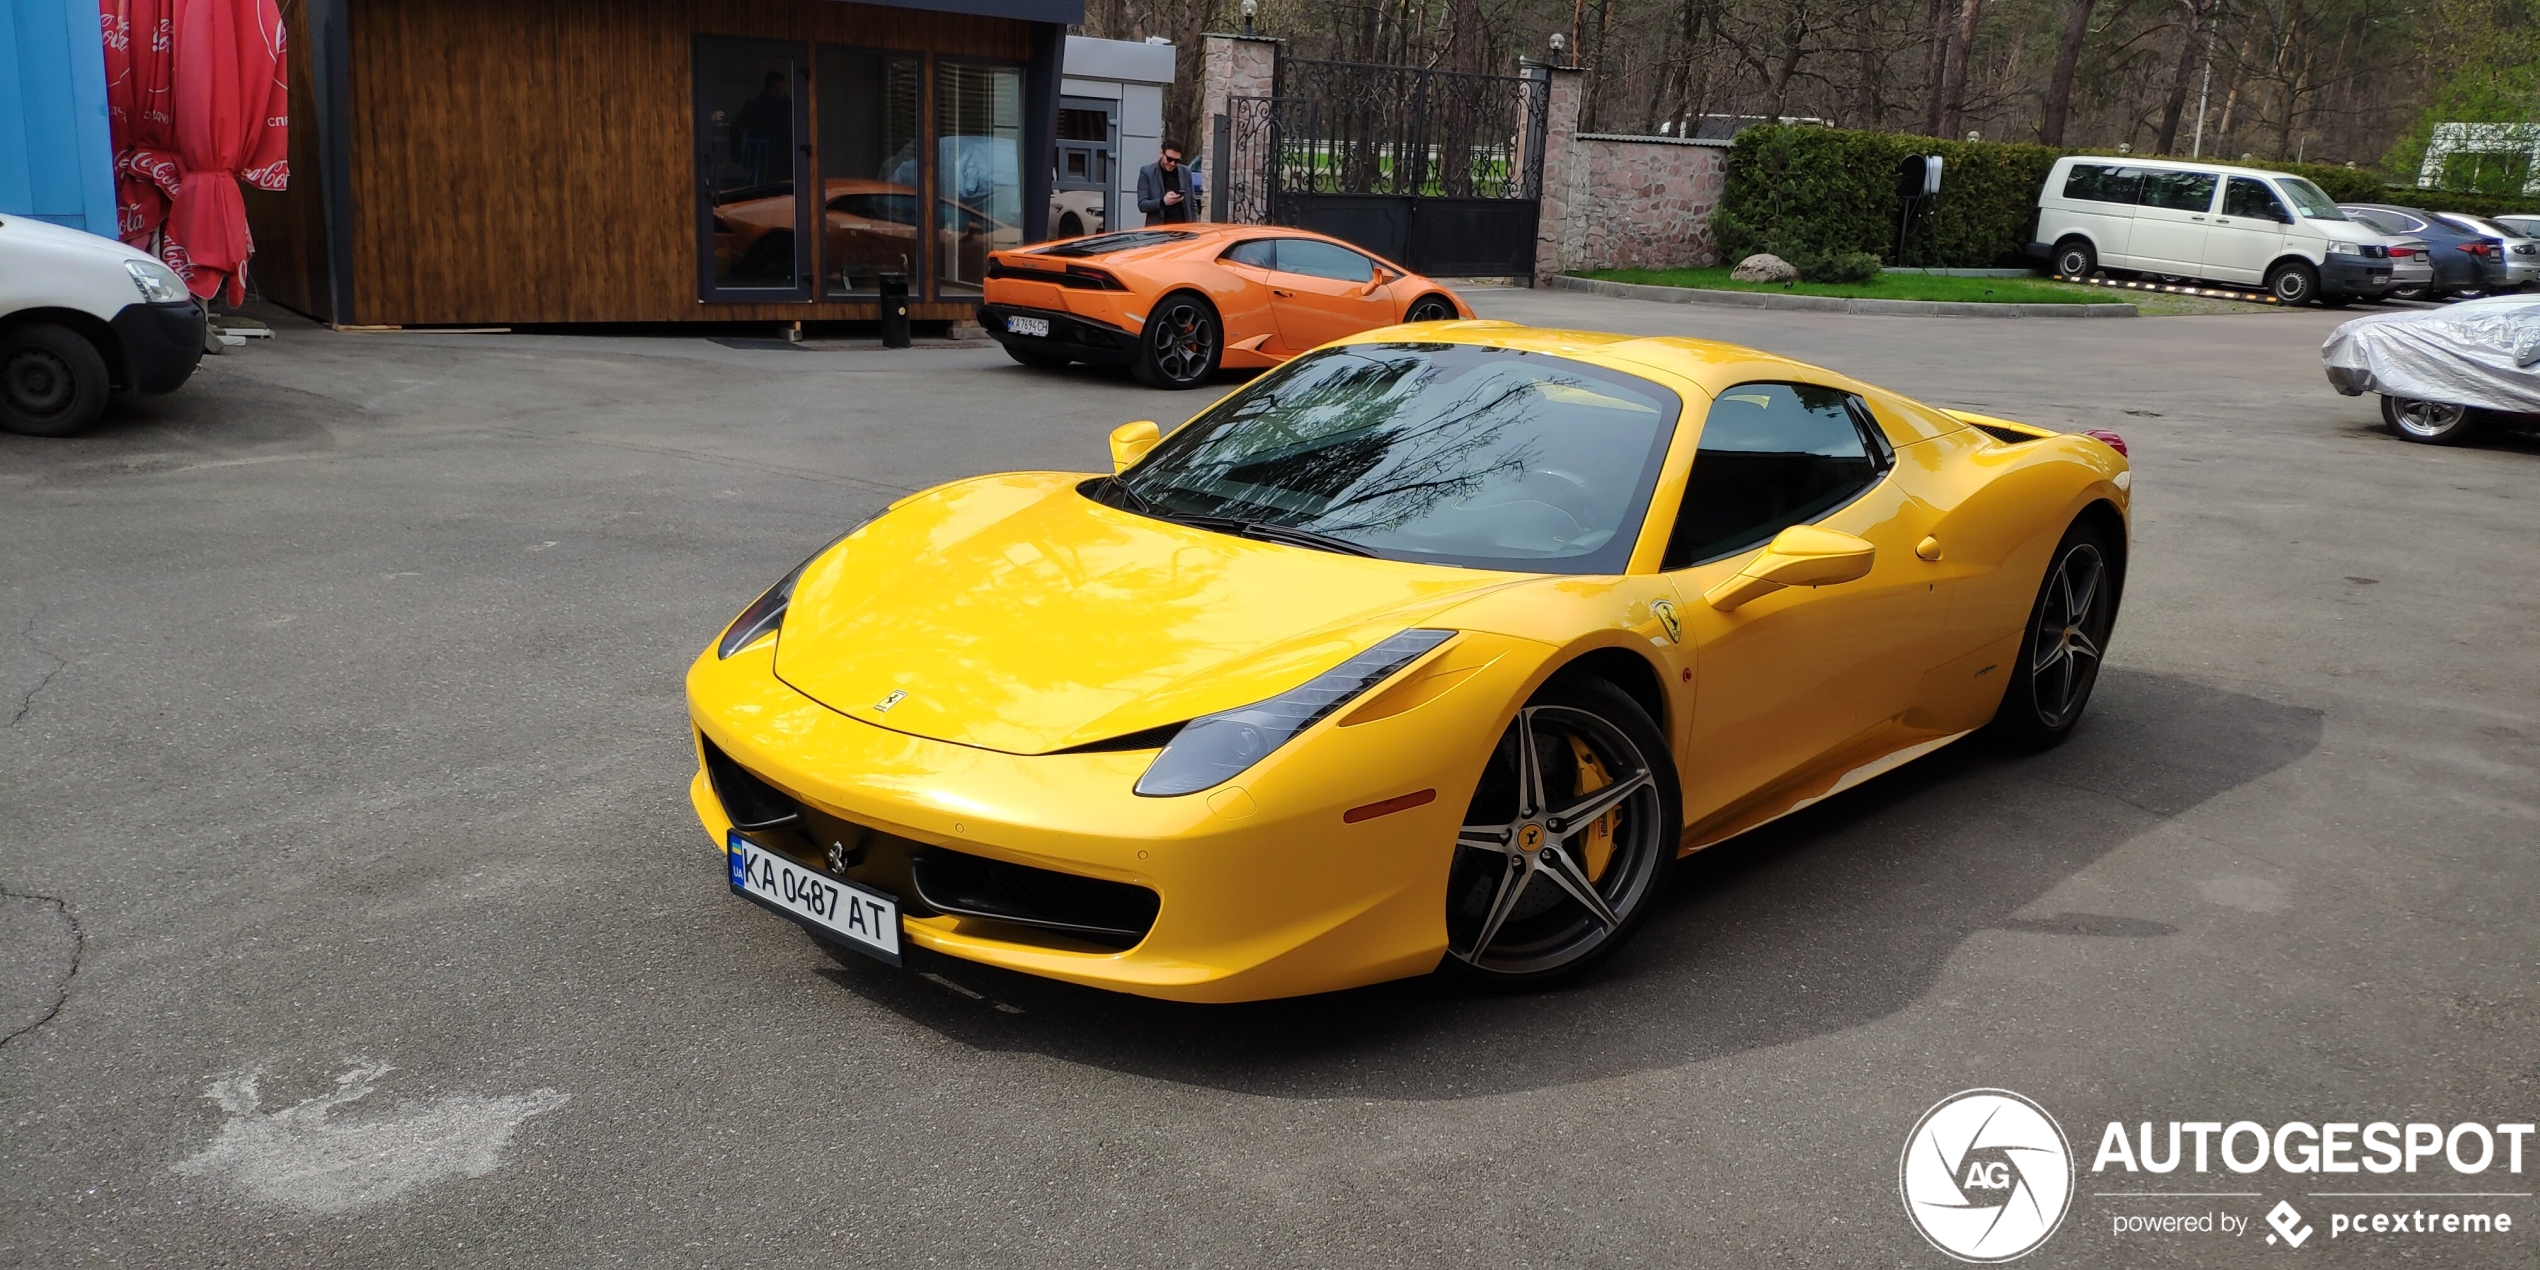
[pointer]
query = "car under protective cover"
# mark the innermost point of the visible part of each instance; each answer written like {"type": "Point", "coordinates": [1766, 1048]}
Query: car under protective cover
{"type": "Point", "coordinates": [1434, 647]}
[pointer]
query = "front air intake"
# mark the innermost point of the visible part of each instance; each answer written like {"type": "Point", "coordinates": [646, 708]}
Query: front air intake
{"type": "Point", "coordinates": [750, 802]}
{"type": "Point", "coordinates": [1113, 914]}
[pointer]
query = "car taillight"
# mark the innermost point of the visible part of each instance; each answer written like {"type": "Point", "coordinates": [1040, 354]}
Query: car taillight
{"type": "Point", "coordinates": [2475, 249]}
{"type": "Point", "coordinates": [2106, 438]}
{"type": "Point", "coordinates": [1094, 277]}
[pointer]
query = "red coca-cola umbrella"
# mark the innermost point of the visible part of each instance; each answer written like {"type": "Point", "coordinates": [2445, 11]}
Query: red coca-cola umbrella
{"type": "Point", "coordinates": [232, 123]}
{"type": "Point", "coordinates": [140, 110]}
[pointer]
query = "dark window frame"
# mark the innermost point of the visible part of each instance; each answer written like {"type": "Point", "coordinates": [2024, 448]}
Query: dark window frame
{"type": "Point", "coordinates": [806, 273]}
{"type": "Point", "coordinates": [1875, 444]}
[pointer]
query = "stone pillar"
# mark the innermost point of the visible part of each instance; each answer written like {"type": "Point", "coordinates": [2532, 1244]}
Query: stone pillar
{"type": "Point", "coordinates": [1562, 230]}
{"type": "Point", "coordinates": [1233, 66]}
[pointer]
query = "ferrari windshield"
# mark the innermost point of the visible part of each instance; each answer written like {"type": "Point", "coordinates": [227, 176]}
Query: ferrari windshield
{"type": "Point", "coordinates": [1437, 453]}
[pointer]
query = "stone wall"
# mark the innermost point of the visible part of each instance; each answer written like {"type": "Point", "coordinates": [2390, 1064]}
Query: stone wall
{"type": "Point", "coordinates": [1231, 66]}
{"type": "Point", "coordinates": [1612, 202]}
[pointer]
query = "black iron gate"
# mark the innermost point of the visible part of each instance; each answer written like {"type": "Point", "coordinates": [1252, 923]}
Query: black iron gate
{"type": "Point", "coordinates": [1437, 170]}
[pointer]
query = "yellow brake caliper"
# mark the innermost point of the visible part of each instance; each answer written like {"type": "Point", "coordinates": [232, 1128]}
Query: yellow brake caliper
{"type": "Point", "coordinates": [1596, 842]}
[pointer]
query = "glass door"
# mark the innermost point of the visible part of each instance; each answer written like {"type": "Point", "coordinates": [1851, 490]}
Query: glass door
{"type": "Point", "coordinates": [978, 170]}
{"type": "Point", "coordinates": [753, 164]}
{"type": "Point", "coordinates": [871, 170]}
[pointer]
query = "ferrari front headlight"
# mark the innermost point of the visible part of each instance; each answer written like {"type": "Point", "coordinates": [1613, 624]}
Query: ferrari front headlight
{"type": "Point", "coordinates": [1215, 748]}
{"type": "Point", "coordinates": [767, 612]}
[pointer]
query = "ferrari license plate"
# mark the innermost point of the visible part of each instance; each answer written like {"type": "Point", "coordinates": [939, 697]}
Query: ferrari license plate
{"type": "Point", "coordinates": [862, 917]}
{"type": "Point", "coordinates": [1028, 326]}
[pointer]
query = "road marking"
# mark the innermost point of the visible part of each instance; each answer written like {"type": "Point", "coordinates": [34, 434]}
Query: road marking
{"type": "Point", "coordinates": [300, 1157]}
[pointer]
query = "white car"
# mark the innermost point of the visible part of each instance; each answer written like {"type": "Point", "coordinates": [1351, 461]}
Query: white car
{"type": "Point", "coordinates": [2207, 220]}
{"type": "Point", "coordinates": [2437, 369]}
{"type": "Point", "coordinates": [80, 317]}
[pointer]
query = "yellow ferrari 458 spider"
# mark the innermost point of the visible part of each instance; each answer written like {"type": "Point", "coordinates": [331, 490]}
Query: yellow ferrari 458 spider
{"type": "Point", "coordinates": [1434, 647]}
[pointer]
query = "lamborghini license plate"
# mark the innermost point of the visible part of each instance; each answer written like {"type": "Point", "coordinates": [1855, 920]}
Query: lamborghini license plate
{"type": "Point", "coordinates": [862, 917]}
{"type": "Point", "coordinates": [1028, 326]}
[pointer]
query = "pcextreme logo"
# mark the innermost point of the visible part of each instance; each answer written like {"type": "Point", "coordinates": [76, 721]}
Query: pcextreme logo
{"type": "Point", "coordinates": [1986, 1175]}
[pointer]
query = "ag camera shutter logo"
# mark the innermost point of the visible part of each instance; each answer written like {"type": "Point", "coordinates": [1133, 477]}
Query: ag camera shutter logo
{"type": "Point", "coordinates": [1986, 1175]}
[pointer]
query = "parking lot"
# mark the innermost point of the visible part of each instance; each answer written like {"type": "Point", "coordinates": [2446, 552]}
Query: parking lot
{"type": "Point", "coordinates": [348, 754]}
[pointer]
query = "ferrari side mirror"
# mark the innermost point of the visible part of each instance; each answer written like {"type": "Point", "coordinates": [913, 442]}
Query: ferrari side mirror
{"type": "Point", "coordinates": [1802, 555]}
{"type": "Point", "coordinates": [1130, 443]}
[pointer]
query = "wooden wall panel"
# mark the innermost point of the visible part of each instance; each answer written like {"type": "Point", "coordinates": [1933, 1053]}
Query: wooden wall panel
{"type": "Point", "coordinates": [289, 226]}
{"type": "Point", "coordinates": [521, 161]}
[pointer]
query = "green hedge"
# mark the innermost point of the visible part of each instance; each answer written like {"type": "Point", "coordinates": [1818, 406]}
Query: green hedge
{"type": "Point", "coordinates": [1803, 192]}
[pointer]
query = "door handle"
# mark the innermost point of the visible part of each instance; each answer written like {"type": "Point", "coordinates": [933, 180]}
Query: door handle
{"type": "Point", "coordinates": [1284, 295]}
{"type": "Point", "coordinates": [2195, 218]}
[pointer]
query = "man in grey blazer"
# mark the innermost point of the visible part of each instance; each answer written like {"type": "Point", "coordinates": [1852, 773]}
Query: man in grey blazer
{"type": "Point", "coordinates": [1164, 188]}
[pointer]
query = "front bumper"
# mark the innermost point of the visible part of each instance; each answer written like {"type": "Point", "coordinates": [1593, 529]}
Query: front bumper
{"type": "Point", "coordinates": [2351, 381]}
{"type": "Point", "coordinates": [162, 343]}
{"type": "Point", "coordinates": [1071, 336]}
{"type": "Point", "coordinates": [2355, 275]}
{"type": "Point", "coordinates": [1264, 890]}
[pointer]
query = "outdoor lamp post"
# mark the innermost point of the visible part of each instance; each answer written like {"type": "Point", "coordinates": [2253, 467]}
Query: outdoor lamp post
{"type": "Point", "coordinates": [1251, 7]}
{"type": "Point", "coordinates": [1558, 43]}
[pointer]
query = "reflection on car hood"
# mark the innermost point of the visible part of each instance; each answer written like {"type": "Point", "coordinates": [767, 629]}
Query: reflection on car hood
{"type": "Point", "coordinates": [1015, 614]}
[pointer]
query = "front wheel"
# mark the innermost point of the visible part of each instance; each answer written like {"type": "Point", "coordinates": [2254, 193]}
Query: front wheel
{"type": "Point", "coordinates": [2427, 422]}
{"type": "Point", "coordinates": [2293, 282]}
{"type": "Point", "coordinates": [1181, 344]}
{"type": "Point", "coordinates": [1568, 839]}
{"type": "Point", "coordinates": [53, 382]}
{"type": "Point", "coordinates": [1430, 308]}
{"type": "Point", "coordinates": [2058, 661]}
{"type": "Point", "coordinates": [2074, 258]}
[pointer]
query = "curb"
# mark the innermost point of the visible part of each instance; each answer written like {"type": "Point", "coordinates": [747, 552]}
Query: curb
{"type": "Point", "coordinates": [1835, 304]}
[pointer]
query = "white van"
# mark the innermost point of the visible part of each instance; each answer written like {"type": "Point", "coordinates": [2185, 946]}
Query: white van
{"type": "Point", "coordinates": [2209, 221]}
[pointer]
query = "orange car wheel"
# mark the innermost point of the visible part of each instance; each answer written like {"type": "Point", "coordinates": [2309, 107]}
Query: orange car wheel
{"type": "Point", "coordinates": [1431, 308]}
{"type": "Point", "coordinates": [1181, 344]}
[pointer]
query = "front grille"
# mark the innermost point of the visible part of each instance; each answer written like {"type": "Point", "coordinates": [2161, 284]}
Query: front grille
{"type": "Point", "coordinates": [1114, 914]}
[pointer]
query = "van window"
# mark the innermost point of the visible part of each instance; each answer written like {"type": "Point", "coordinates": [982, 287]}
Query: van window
{"type": "Point", "coordinates": [2179, 191]}
{"type": "Point", "coordinates": [2102, 183]}
{"type": "Point", "coordinates": [2308, 199]}
{"type": "Point", "coordinates": [2249, 197]}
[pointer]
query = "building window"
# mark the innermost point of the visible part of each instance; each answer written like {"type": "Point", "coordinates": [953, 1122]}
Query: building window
{"type": "Point", "coordinates": [750, 112]}
{"type": "Point", "coordinates": [978, 170]}
{"type": "Point", "coordinates": [869, 170]}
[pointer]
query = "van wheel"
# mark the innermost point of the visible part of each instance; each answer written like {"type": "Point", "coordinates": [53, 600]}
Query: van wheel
{"type": "Point", "coordinates": [2075, 258]}
{"type": "Point", "coordinates": [53, 382]}
{"type": "Point", "coordinates": [2293, 282]}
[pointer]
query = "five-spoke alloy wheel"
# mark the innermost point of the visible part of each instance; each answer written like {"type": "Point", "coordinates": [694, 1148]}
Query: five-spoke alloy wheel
{"type": "Point", "coordinates": [1181, 344]}
{"type": "Point", "coordinates": [1570, 833]}
{"type": "Point", "coordinates": [2067, 638]}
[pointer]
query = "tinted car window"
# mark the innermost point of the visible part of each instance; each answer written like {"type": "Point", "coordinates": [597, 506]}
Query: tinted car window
{"type": "Point", "coordinates": [1261, 253]}
{"type": "Point", "coordinates": [2386, 222]}
{"type": "Point", "coordinates": [2103, 183]}
{"type": "Point", "coordinates": [2245, 197]}
{"type": "Point", "coordinates": [2179, 191]}
{"type": "Point", "coordinates": [1105, 244]}
{"type": "Point", "coordinates": [1435, 453]}
{"type": "Point", "coordinates": [1772, 456]}
{"type": "Point", "coordinates": [1317, 259]}
{"type": "Point", "coordinates": [899, 209]}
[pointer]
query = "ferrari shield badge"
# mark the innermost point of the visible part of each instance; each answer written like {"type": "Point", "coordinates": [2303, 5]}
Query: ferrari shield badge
{"type": "Point", "coordinates": [1665, 611]}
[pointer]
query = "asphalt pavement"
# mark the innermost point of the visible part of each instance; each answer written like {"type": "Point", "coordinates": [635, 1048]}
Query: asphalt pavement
{"type": "Point", "coordinates": [355, 914]}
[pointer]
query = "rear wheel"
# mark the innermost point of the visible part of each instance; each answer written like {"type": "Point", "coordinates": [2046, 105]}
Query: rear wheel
{"type": "Point", "coordinates": [2075, 258]}
{"type": "Point", "coordinates": [1568, 839]}
{"type": "Point", "coordinates": [2427, 422]}
{"type": "Point", "coordinates": [2293, 282]}
{"type": "Point", "coordinates": [1430, 308]}
{"type": "Point", "coordinates": [1181, 343]}
{"type": "Point", "coordinates": [2067, 635]}
{"type": "Point", "coordinates": [53, 382]}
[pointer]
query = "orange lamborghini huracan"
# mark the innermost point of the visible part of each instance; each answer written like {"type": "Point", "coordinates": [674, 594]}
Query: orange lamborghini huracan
{"type": "Point", "coordinates": [1175, 302]}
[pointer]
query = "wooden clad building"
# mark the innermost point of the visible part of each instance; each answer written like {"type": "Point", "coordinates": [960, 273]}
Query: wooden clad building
{"type": "Point", "coordinates": [498, 162]}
